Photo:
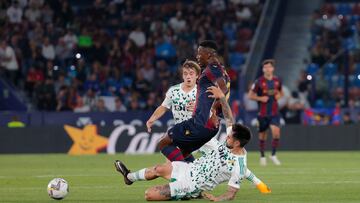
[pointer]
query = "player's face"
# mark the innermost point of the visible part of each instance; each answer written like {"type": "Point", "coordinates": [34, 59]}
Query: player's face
{"type": "Point", "coordinates": [230, 141]}
{"type": "Point", "coordinates": [189, 76]}
{"type": "Point", "coordinates": [202, 56]}
{"type": "Point", "coordinates": [268, 69]}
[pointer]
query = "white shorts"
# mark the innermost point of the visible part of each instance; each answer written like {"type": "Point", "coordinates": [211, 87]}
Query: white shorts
{"type": "Point", "coordinates": [181, 185]}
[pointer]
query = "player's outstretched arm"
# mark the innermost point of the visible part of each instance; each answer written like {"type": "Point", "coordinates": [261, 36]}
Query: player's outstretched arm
{"type": "Point", "coordinates": [228, 195]}
{"type": "Point", "coordinates": [158, 113]}
{"type": "Point", "coordinates": [217, 93]}
{"type": "Point", "coordinates": [261, 186]}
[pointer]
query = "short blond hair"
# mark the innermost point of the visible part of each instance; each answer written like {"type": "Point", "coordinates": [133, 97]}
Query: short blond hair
{"type": "Point", "coordinates": [192, 65]}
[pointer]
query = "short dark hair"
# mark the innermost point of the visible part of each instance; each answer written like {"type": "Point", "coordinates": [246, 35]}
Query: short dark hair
{"type": "Point", "coordinates": [241, 133]}
{"type": "Point", "coordinates": [211, 44]}
{"type": "Point", "coordinates": [269, 61]}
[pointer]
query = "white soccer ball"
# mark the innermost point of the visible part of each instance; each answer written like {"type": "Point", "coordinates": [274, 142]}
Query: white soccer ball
{"type": "Point", "coordinates": [58, 188]}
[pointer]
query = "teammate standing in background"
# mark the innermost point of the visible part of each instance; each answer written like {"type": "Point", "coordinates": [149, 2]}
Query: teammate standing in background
{"type": "Point", "coordinates": [267, 91]}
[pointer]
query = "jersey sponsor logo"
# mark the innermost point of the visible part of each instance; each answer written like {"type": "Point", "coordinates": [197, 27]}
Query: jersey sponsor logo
{"type": "Point", "coordinates": [271, 92]}
{"type": "Point", "coordinates": [222, 154]}
{"type": "Point", "coordinates": [179, 107]}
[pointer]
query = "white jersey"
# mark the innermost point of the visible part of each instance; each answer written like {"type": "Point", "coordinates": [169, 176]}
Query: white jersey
{"type": "Point", "coordinates": [216, 166]}
{"type": "Point", "coordinates": [177, 100]}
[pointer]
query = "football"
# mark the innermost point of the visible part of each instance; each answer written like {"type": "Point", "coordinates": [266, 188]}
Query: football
{"type": "Point", "coordinates": [58, 188]}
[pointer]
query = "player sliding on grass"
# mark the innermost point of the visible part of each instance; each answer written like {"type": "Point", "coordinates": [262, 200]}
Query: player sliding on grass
{"type": "Point", "coordinates": [180, 99]}
{"type": "Point", "coordinates": [220, 163]}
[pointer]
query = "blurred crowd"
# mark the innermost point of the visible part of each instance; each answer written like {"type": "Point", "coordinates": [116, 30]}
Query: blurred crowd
{"type": "Point", "coordinates": [70, 55]}
{"type": "Point", "coordinates": [334, 52]}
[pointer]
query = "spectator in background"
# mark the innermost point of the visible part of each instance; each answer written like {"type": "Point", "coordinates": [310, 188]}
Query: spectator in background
{"type": "Point", "coordinates": [347, 119]}
{"type": "Point", "coordinates": [148, 72]}
{"type": "Point", "coordinates": [62, 99]}
{"type": "Point", "coordinates": [163, 70]}
{"type": "Point", "coordinates": [100, 106]}
{"type": "Point", "coordinates": [142, 86]}
{"type": "Point", "coordinates": [134, 103]}
{"type": "Point", "coordinates": [90, 99]}
{"type": "Point", "coordinates": [61, 81]}
{"type": "Point", "coordinates": [250, 105]}
{"type": "Point", "coordinates": [34, 75]}
{"type": "Point", "coordinates": [47, 33]}
{"type": "Point", "coordinates": [295, 106]}
{"type": "Point", "coordinates": [46, 95]}
{"type": "Point", "coordinates": [14, 13]}
{"type": "Point", "coordinates": [48, 50]}
{"type": "Point", "coordinates": [74, 100]}
{"type": "Point", "coordinates": [8, 61]}
{"type": "Point", "coordinates": [119, 106]}
{"type": "Point", "coordinates": [70, 40]}
{"type": "Point", "coordinates": [138, 37]}
{"type": "Point", "coordinates": [177, 23]}
{"type": "Point", "coordinates": [243, 12]}
{"type": "Point", "coordinates": [47, 14]}
{"type": "Point", "coordinates": [33, 14]}
{"type": "Point", "coordinates": [63, 52]}
{"type": "Point", "coordinates": [151, 102]}
{"type": "Point", "coordinates": [218, 5]}
{"type": "Point", "coordinates": [331, 22]}
{"type": "Point", "coordinates": [92, 83]}
{"type": "Point", "coordinates": [164, 50]}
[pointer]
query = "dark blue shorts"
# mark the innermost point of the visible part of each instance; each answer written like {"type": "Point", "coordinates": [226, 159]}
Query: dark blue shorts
{"type": "Point", "coordinates": [265, 122]}
{"type": "Point", "coordinates": [189, 136]}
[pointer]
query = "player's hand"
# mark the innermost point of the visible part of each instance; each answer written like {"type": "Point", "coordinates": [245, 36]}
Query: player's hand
{"type": "Point", "coordinates": [277, 94]}
{"type": "Point", "coordinates": [216, 92]}
{"type": "Point", "coordinates": [149, 124]}
{"type": "Point", "coordinates": [208, 196]}
{"type": "Point", "coordinates": [264, 99]}
{"type": "Point", "coordinates": [191, 106]}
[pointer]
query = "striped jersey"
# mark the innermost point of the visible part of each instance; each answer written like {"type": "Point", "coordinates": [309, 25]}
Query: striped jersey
{"type": "Point", "coordinates": [176, 100]}
{"type": "Point", "coordinates": [203, 105]}
{"type": "Point", "coordinates": [216, 166]}
{"type": "Point", "coordinates": [265, 87]}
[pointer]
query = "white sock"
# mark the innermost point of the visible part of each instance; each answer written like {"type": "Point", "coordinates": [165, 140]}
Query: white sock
{"type": "Point", "coordinates": [251, 177]}
{"type": "Point", "coordinates": [138, 175]}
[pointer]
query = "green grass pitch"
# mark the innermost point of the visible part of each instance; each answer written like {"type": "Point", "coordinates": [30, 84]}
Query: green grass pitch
{"type": "Point", "coordinates": [303, 177]}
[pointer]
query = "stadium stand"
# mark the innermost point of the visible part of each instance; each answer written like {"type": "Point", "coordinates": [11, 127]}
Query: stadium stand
{"type": "Point", "coordinates": [66, 55]}
{"type": "Point", "coordinates": [335, 53]}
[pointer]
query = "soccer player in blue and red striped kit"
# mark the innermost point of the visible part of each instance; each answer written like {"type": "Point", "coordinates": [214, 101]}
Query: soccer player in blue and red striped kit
{"type": "Point", "coordinates": [190, 135]}
{"type": "Point", "coordinates": [267, 91]}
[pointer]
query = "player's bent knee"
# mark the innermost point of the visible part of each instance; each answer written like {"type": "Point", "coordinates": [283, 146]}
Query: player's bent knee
{"type": "Point", "coordinates": [163, 142]}
{"type": "Point", "coordinates": [160, 170]}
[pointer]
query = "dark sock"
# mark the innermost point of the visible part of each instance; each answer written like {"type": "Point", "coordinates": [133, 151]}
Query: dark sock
{"type": "Point", "coordinates": [172, 153]}
{"type": "Point", "coordinates": [262, 148]}
{"type": "Point", "coordinates": [275, 145]}
{"type": "Point", "coordinates": [190, 158]}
